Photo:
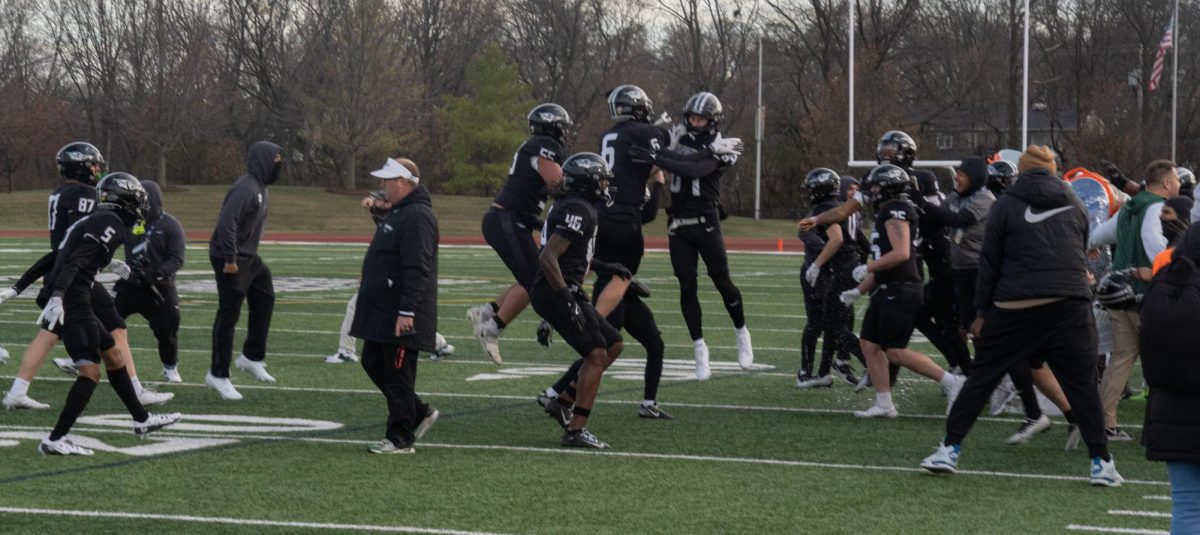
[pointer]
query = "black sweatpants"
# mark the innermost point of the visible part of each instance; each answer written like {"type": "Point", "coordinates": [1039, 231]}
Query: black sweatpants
{"type": "Point", "coordinates": [252, 283]}
{"type": "Point", "coordinates": [939, 323]}
{"type": "Point", "coordinates": [1021, 374]}
{"type": "Point", "coordinates": [1064, 333]}
{"type": "Point", "coordinates": [163, 316]}
{"type": "Point", "coordinates": [688, 244]}
{"type": "Point", "coordinates": [393, 369]}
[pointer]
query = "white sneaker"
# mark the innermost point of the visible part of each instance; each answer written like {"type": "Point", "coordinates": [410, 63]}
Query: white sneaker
{"type": "Point", "coordinates": [943, 461]}
{"type": "Point", "coordinates": [953, 390]}
{"type": "Point", "coordinates": [810, 382]}
{"type": "Point", "coordinates": [149, 398]}
{"type": "Point", "coordinates": [877, 411]}
{"type": "Point", "coordinates": [62, 446]}
{"type": "Point", "coordinates": [1028, 429]}
{"type": "Point", "coordinates": [1073, 437]}
{"type": "Point", "coordinates": [441, 348]}
{"type": "Point", "coordinates": [479, 315]}
{"type": "Point", "coordinates": [254, 368]}
{"type": "Point", "coordinates": [702, 371]}
{"type": "Point", "coordinates": [12, 402]}
{"type": "Point", "coordinates": [171, 375]}
{"type": "Point", "coordinates": [431, 417]}
{"type": "Point", "coordinates": [66, 366]}
{"type": "Point", "coordinates": [3, 355]}
{"type": "Point", "coordinates": [745, 349]}
{"type": "Point", "coordinates": [1002, 396]}
{"type": "Point", "coordinates": [154, 423]}
{"type": "Point", "coordinates": [341, 357]}
{"type": "Point", "coordinates": [1104, 473]}
{"type": "Point", "coordinates": [223, 387]}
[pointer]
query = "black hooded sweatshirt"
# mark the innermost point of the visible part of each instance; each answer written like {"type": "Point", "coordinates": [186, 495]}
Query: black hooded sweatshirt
{"type": "Point", "coordinates": [159, 251]}
{"type": "Point", "coordinates": [1035, 243]}
{"type": "Point", "coordinates": [244, 211]}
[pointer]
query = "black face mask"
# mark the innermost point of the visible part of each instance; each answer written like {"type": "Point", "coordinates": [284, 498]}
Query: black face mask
{"type": "Point", "coordinates": [1173, 229]}
{"type": "Point", "coordinates": [274, 176]}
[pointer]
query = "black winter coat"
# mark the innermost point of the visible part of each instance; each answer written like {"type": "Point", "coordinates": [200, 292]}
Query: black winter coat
{"type": "Point", "coordinates": [1034, 245]}
{"type": "Point", "coordinates": [399, 276]}
{"type": "Point", "coordinates": [1171, 358]}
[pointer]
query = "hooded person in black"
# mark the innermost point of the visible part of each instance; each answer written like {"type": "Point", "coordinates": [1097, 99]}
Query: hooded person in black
{"type": "Point", "coordinates": [154, 257]}
{"type": "Point", "coordinates": [1033, 300]}
{"type": "Point", "coordinates": [241, 273]}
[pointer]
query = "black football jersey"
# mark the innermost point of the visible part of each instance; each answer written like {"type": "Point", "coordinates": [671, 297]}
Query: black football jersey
{"type": "Point", "coordinates": [86, 249]}
{"type": "Point", "coordinates": [69, 203]}
{"type": "Point", "coordinates": [575, 219]}
{"type": "Point", "coordinates": [815, 239]}
{"type": "Point", "coordinates": [695, 196]}
{"type": "Point", "coordinates": [880, 245]}
{"type": "Point", "coordinates": [628, 186]}
{"type": "Point", "coordinates": [524, 191]}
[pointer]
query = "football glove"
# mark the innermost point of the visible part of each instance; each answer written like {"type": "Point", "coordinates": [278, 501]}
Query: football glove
{"type": "Point", "coordinates": [848, 297]}
{"type": "Point", "coordinates": [611, 268]}
{"type": "Point", "coordinates": [812, 274]}
{"type": "Point", "coordinates": [727, 145]}
{"type": "Point", "coordinates": [676, 132]}
{"type": "Point", "coordinates": [545, 334]}
{"type": "Point", "coordinates": [6, 294]}
{"type": "Point", "coordinates": [119, 268]}
{"type": "Point", "coordinates": [859, 273]}
{"type": "Point", "coordinates": [52, 314]}
{"type": "Point", "coordinates": [574, 312]}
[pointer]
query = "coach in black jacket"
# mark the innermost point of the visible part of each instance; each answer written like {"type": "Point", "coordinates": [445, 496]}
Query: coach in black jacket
{"type": "Point", "coordinates": [396, 313]}
{"type": "Point", "coordinates": [1033, 301]}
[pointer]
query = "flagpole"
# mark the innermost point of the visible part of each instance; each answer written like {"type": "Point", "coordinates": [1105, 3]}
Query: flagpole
{"type": "Point", "coordinates": [1025, 90]}
{"type": "Point", "coordinates": [1174, 79]}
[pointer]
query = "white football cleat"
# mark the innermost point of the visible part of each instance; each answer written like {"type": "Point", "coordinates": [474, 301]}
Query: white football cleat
{"type": "Point", "coordinates": [223, 387]}
{"type": "Point", "coordinates": [171, 375]}
{"type": "Point", "coordinates": [3, 355]}
{"type": "Point", "coordinates": [953, 390]}
{"type": "Point", "coordinates": [154, 423]}
{"type": "Point", "coordinates": [255, 368]}
{"type": "Point", "coordinates": [744, 348]}
{"type": "Point", "coordinates": [62, 446]}
{"type": "Point", "coordinates": [12, 402]}
{"type": "Point", "coordinates": [341, 357]}
{"type": "Point", "coordinates": [702, 370]}
{"type": "Point", "coordinates": [149, 398]}
{"type": "Point", "coordinates": [66, 366]}
{"type": "Point", "coordinates": [877, 411]}
{"type": "Point", "coordinates": [441, 348]}
{"type": "Point", "coordinates": [1028, 429]}
{"type": "Point", "coordinates": [1002, 396]}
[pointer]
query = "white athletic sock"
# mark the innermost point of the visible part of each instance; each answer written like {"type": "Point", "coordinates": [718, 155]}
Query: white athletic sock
{"type": "Point", "coordinates": [647, 402]}
{"type": "Point", "coordinates": [883, 399]}
{"type": "Point", "coordinates": [699, 342]}
{"type": "Point", "coordinates": [551, 393]}
{"type": "Point", "coordinates": [137, 385]}
{"type": "Point", "coordinates": [948, 379]}
{"type": "Point", "coordinates": [19, 388]}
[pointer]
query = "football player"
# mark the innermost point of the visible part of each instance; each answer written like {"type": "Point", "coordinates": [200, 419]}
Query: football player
{"type": "Point", "coordinates": [88, 247]}
{"type": "Point", "coordinates": [80, 165]}
{"type": "Point", "coordinates": [508, 226]}
{"type": "Point", "coordinates": [697, 158]}
{"type": "Point", "coordinates": [896, 301]}
{"type": "Point", "coordinates": [557, 294]}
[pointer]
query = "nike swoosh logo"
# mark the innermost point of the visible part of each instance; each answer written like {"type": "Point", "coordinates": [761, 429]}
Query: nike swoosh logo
{"type": "Point", "coordinates": [1038, 218]}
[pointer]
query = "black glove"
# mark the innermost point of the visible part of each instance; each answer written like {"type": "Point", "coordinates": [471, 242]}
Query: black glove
{"type": "Point", "coordinates": [544, 333]}
{"type": "Point", "coordinates": [574, 312]}
{"type": "Point", "coordinates": [1114, 174]}
{"type": "Point", "coordinates": [721, 213]}
{"type": "Point", "coordinates": [611, 268]}
{"type": "Point", "coordinates": [638, 154]}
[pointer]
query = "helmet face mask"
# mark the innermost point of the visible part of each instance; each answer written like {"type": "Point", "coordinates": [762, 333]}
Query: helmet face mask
{"type": "Point", "coordinates": [706, 106]}
{"type": "Point", "coordinates": [123, 194]}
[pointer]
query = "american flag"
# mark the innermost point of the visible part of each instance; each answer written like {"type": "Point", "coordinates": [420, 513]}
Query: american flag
{"type": "Point", "coordinates": [1156, 74]}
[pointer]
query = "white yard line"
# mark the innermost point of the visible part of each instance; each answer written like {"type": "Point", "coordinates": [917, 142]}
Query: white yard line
{"type": "Point", "coordinates": [1161, 497]}
{"type": "Point", "coordinates": [237, 521]}
{"type": "Point", "coordinates": [530, 399]}
{"type": "Point", "coordinates": [1149, 514]}
{"type": "Point", "coordinates": [635, 455]}
{"type": "Point", "coordinates": [1102, 529]}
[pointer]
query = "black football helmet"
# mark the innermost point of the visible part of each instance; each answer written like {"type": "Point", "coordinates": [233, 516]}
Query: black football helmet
{"type": "Point", "coordinates": [1000, 175]}
{"type": "Point", "coordinates": [629, 102]}
{"type": "Point", "coordinates": [1187, 181]}
{"type": "Point", "coordinates": [822, 183]}
{"type": "Point", "coordinates": [896, 148]}
{"type": "Point", "coordinates": [551, 120]}
{"type": "Point", "coordinates": [706, 105]}
{"type": "Point", "coordinates": [75, 162]}
{"type": "Point", "coordinates": [588, 175]}
{"type": "Point", "coordinates": [123, 194]}
{"type": "Point", "coordinates": [892, 181]}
